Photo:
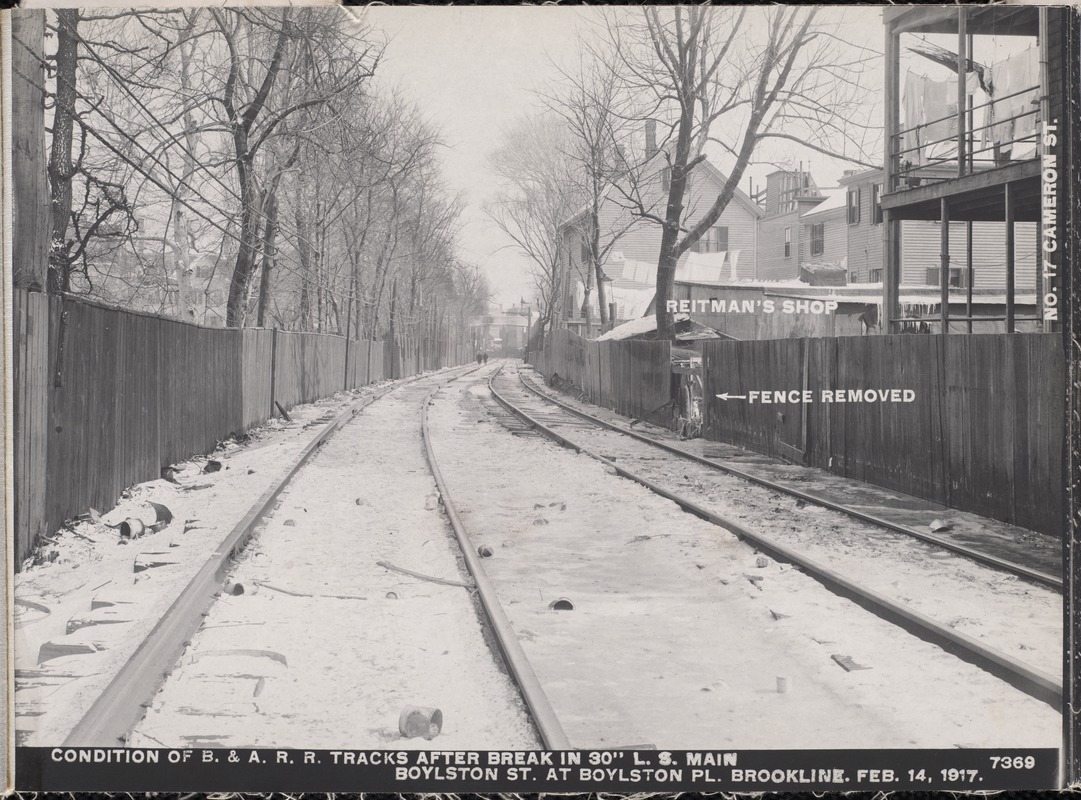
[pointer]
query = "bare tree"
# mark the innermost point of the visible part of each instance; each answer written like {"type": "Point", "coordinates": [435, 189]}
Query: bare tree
{"type": "Point", "coordinates": [535, 199]}
{"type": "Point", "coordinates": [735, 78]}
{"type": "Point", "coordinates": [591, 105]}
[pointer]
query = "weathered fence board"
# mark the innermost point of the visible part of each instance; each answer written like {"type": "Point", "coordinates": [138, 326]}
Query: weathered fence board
{"type": "Point", "coordinates": [256, 382]}
{"type": "Point", "coordinates": [984, 433]}
{"type": "Point", "coordinates": [30, 327]}
{"type": "Point", "coordinates": [630, 377]}
{"type": "Point", "coordinates": [104, 398]}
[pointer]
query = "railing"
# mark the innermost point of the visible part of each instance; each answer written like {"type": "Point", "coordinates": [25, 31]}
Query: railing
{"type": "Point", "coordinates": [987, 146]}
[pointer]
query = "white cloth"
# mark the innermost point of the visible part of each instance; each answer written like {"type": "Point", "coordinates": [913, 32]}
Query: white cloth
{"type": "Point", "coordinates": [1018, 75]}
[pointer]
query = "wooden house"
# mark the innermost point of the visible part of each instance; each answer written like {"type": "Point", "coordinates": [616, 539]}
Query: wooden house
{"type": "Point", "coordinates": [730, 247]}
{"type": "Point", "coordinates": [992, 157]}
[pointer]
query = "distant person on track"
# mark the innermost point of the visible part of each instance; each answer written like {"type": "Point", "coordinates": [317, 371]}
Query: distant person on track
{"type": "Point", "coordinates": [485, 357]}
{"type": "Point", "coordinates": [478, 357]}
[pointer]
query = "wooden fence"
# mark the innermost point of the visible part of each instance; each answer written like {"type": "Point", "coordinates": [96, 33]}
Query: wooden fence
{"type": "Point", "coordinates": [104, 398]}
{"type": "Point", "coordinates": [984, 432]}
{"type": "Point", "coordinates": [630, 377]}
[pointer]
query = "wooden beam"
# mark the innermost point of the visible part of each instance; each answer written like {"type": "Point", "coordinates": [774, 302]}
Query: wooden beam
{"type": "Point", "coordinates": [969, 276]}
{"type": "Point", "coordinates": [1010, 288]}
{"type": "Point", "coordinates": [944, 262]}
{"type": "Point", "coordinates": [891, 227]}
{"type": "Point", "coordinates": [962, 87]}
{"type": "Point", "coordinates": [970, 183]}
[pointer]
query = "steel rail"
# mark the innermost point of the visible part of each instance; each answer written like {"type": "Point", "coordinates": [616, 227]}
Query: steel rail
{"type": "Point", "coordinates": [1029, 680]}
{"type": "Point", "coordinates": [544, 716]}
{"type": "Point", "coordinates": [117, 710]}
{"type": "Point", "coordinates": [1044, 578]}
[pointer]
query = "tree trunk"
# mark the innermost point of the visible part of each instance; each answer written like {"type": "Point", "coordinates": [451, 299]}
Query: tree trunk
{"type": "Point", "coordinates": [244, 269]}
{"type": "Point", "coordinates": [305, 255]}
{"type": "Point", "coordinates": [270, 252]}
{"type": "Point", "coordinates": [595, 253]}
{"type": "Point", "coordinates": [30, 211]}
{"type": "Point", "coordinates": [61, 169]}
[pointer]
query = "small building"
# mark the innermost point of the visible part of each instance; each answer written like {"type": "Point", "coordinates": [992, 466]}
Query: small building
{"type": "Point", "coordinates": [502, 333]}
{"type": "Point", "coordinates": [782, 245]}
{"type": "Point", "coordinates": [824, 241]}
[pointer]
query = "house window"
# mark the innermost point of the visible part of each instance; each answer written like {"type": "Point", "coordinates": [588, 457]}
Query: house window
{"type": "Point", "coordinates": [957, 277]}
{"type": "Point", "coordinates": [666, 179]}
{"type": "Point", "coordinates": [853, 206]}
{"type": "Point", "coordinates": [585, 253]}
{"type": "Point", "coordinates": [875, 275]}
{"type": "Point", "coordinates": [714, 240]}
{"type": "Point", "coordinates": [787, 242]}
{"type": "Point", "coordinates": [876, 204]}
{"type": "Point", "coordinates": [818, 239]}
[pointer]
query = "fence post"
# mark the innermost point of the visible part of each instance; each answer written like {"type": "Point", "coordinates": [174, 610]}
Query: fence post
{"type": "Point", "coordinates": [273, 368]}
{"type": "Point", "coordinates": [345, 377]}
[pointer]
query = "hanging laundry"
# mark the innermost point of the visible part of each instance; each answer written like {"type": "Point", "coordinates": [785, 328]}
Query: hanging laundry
{"type": "Point", "coordinates": [913, 108]}
{"type": "Point", "coordinates": [1015, 89]}
{"type": "Point", "coordinates": [931, 112]}
{"type": "Point", "coordinates": [940, 117]}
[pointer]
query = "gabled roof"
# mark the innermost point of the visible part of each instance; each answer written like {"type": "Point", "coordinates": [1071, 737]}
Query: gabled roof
{"type": "Point", "coordinates": [739, 195]}
{"type": "Point", "coordinates": [836, 200]}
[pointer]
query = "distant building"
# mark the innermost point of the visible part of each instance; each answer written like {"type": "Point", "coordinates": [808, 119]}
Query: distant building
{"type": "Point", "coordinates": [783, 247]}
{"type": "Point", "coordinates": [502, 333]}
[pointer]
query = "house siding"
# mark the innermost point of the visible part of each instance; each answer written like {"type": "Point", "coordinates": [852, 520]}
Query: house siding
{"type": "Point", "coordinates": [773, 265]}
{"type": "Point", "coordinates": [921, 248]}
{"type": "Point", "coordinates": [835, 239]}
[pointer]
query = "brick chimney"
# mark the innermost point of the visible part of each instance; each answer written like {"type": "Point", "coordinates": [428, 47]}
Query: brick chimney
{"type": "Point", "coordinates": [651, 138]}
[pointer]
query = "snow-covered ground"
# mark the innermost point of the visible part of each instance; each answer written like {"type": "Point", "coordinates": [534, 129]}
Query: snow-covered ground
{"type": "Point", "coordinates": [90, 563]}
{"type": "Point", "coordinates": [678, 637]}
{"type": "Point", "coordinates": [1015, 616]}
{"type": "Point", "coordinates": [327, 646]}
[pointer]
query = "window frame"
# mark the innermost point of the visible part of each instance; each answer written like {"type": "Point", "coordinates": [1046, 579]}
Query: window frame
{"type": "Point", "coordinates": [710, 241]}
{"type": "Point", "coordinates": [788, 243]}
{"type": "Point", "coordinates": [854, 207]}
{"type": "Point", "coordinates": [818, 238]}
{"type": "Point", "coordinates": [876, 204]}
{"type": "Point", "coordinates": [960, 272]}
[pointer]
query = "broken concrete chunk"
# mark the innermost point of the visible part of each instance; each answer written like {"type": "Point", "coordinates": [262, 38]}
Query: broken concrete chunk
{"type": "Point", "coordinates": [212, 466]}
{"type": "Point", "coordinates": [290, 523]}
{"type": "Point", "coordinates": [761, 562]}
{"type": "Point", "coordinates": [938, 525]}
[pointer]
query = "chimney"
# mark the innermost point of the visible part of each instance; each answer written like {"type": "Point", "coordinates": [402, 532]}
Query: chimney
{"type": "Point", "coordinates": [651, 138]}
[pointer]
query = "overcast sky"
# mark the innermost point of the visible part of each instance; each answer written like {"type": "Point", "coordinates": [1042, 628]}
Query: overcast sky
{"type": "Point", "coordinates": [474, 70]}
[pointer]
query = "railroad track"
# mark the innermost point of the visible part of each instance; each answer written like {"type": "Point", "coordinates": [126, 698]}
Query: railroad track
{"type": "Point", "coordinates": [122, 705]}
{"type": "Point", "coordinates": [1020, 570]}
{"type": "Point", "coordinates": [118, 709]}
{"type": "Point", "coordinates": [543, 414]}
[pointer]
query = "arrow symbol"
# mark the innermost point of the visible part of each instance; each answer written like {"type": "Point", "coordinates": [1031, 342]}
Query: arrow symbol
{"type": "Point", "coordinates": [727, 396]}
